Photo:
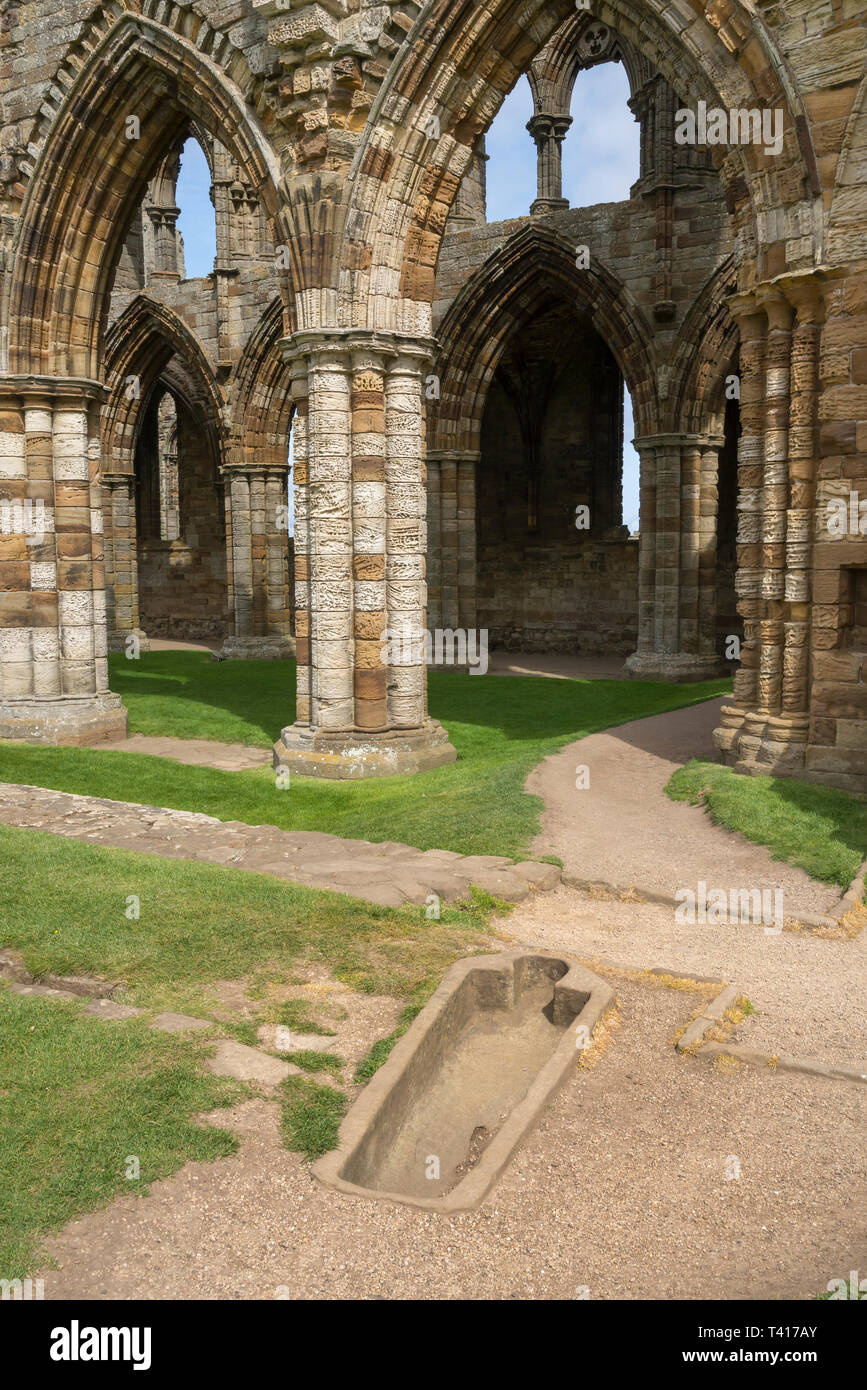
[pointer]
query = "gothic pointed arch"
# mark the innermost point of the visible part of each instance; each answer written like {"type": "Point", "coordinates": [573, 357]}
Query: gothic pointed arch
{"type": "Point", "coordinates": [139, 347]}
{"type": "Point", "coordinates": [458, 68]}
{"type": "Point", "coordinates": [706, 346]}
{"type": "Point", "coordinates": [260, 394]}
{"type": "Point", "coordinates": [134, 96]}
{"type": "Point", "coordinates": [535, 266]}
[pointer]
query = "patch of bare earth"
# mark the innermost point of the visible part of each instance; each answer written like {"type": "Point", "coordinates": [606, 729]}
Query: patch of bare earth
{"type": "Point", "coordinates": [622, 1190]}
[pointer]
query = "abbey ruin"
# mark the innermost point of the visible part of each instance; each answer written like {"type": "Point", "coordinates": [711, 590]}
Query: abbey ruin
{"type": "Point", "coordinates": [452, 388]}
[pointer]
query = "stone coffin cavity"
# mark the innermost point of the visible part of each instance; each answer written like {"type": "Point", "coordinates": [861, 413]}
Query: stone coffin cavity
{"type": "Point", "coordinates": [439, 1121]}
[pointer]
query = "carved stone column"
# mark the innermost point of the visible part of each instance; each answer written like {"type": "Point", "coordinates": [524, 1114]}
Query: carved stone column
{"type": "Point", "coordinates": [752, 324]}
{"type": "Point", "coordinates": [677, 539]}
{"type": "Point", "coordinates": [258, 561]}
{"type": "Point", "coordinates": [360, 558]}
{"type": "Point", "coordinates": [767, 728]}
{"type": "Point", "coordinates": [805, 293]}
{"type": "Point", "coordinates": [549, 132]}
{"type": "Point", "coordinates": [53, 667]}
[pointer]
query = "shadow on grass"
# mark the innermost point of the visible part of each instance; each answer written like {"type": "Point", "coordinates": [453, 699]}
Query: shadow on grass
{"type": "Point", "coordinates": [847, 814]}
{"type": "Point", "coordinates": [177, 693]}
{"type": "Point", "coordinates": [821, 829]}
{"type": "Point", "coordinates": [501, 726]}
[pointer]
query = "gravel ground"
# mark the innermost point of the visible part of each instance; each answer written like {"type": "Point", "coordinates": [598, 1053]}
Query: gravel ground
{"type": "Point", "coordinates": [621, 1190]}
{"type": "Point", "coordinates": [624, 831]}
{"type": "Point", "coordinates": [809, 991]}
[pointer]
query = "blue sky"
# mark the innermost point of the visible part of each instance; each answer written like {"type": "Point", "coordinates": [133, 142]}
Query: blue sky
{"type": "Point", "coordinates": [196, 221]}
{"type": "Point", "coordinates": [600, 162]}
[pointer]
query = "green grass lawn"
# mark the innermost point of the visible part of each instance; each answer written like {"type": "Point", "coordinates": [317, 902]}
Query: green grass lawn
{"type": "Point", "coordinates": [187, 695]}
{"type": "Point", "coordinates": [62, 903]}
{"type": "Point", "coordinates": [80, 1098]}
{"type": "Point", "coordinates": [822, 830]}
{"type": "Point", "coordinates": [501, 726]}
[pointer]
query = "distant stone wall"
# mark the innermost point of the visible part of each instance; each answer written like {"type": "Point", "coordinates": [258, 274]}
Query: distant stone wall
{"type": "Point", "coordinates": [182, 583]}
{"type": "Point", "coordinates": [551, 443]}
{"type": "Point", "coordinates": [552, 599]}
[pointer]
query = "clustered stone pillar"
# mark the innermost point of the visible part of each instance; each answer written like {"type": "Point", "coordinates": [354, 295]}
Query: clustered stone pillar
{"type": "Point", "coordinates": [677, 639]}
{"type": "Point", "coordinates": [360, 541]}
{"type": "Point", "coordinates": [165, 242]}
{"type": "Point", "coordinates": [766, 726]}
{"type": "Point", "coordinates": [452, 538]}
{"type": "Point", "coordinates": [805, 295]}
{"type": "Point", "coordinates": [121, 563]}
{"type": "Point", "coordinates": [257, 556]}
{"type": "Point", "coordinates": [53, 666]}
{"type": "Point", "coordinates": [549, 132]}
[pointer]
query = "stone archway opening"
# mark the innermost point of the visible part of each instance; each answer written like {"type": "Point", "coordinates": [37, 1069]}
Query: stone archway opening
{"type": "Point", "coordinates": [180, 522]}
{"type": "Point", "coordinates": [557, 571]}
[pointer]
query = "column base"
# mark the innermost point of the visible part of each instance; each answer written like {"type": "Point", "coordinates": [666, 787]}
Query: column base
{"type": "Point", "coordinates": [679, 667]}
{"type": "Point", "coordinates": [258, 648]}
{"type": "Point", "coordinates": [763, 745]}
{"type": "Point", "coordinates": [117, 640]}
{"type": "Point", "coordinates": [349, 754]}
{"type": "Point", "coordinates": [74, 720]}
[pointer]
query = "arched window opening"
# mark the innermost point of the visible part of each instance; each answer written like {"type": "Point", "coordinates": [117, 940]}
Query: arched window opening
{"type": "Point", "coordinates": [180, 515]}
{"type": "Point", "coordinates": [197, 226]}
{"type": "Point", "coordinates": [601, 152]}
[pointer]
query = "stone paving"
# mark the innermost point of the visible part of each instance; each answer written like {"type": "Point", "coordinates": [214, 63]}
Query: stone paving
{"type": "Point", "coordinates": [195, 752]}
{"type": "Point", "coordinates": [387, 873]}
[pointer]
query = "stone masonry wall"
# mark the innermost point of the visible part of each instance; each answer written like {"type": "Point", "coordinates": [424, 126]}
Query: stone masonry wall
{"type": "Point", "coordinates": [551, 443]}
{"type": "Point", "coordinates": [182, 583]}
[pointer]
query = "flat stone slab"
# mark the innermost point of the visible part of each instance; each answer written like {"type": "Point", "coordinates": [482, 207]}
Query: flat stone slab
{"type": "Point", "coordinates": [97, 1008]}
{"type": "Point", "coordinates": [196, 752]}
{"type": "Point", "coordinates": [247, 1064]}
{"type": "Point", "coordinates": [389, 874]}
{"type": "Point", "coordinates": [169, 1022]}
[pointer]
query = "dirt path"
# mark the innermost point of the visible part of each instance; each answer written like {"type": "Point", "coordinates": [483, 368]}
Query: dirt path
{"type": "Point", "coordinates": [651, 1175]}
{"type": "Point", "coordinates": [623, 831]}
{"type": "Point", "coordinates": [620, 1191]}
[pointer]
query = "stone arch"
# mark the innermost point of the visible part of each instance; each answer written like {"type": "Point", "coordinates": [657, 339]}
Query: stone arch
{"type": "Point", "coordinates": [706, 418]}
{"type": "Point", "coordinates": [506, 289]}
{"type": "Point", "coordinates": [215, 45]}
{"type": "Point", "coordinates": [140, 344]}
{"type": "Point", "coordinates": [72, 222]}
{"type": "Point", "coordinates": [261, 399]}
{"type": "Point", "coordinates": [554, 71]}
{"type": "Point", "coordinates": [707, 342]}
{"type": "Point", "coordinates": [256, 472]}
{"type": "Point", "coordinates": [458, 66]}
{"type": "Point", "coordinates": [847, 233]}
{"type": "Point", "coordinates": [150, 351]}
{"type": "Point", "coordinates": [556, 451]}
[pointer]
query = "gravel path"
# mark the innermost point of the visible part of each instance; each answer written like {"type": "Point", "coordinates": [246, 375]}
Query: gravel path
{"type": "Point", "coordinates": [809, 991]}
{"type": "Point", "coordinates": [621, 1190]}
{"type": "Point", "coordinates": [623, 831]}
